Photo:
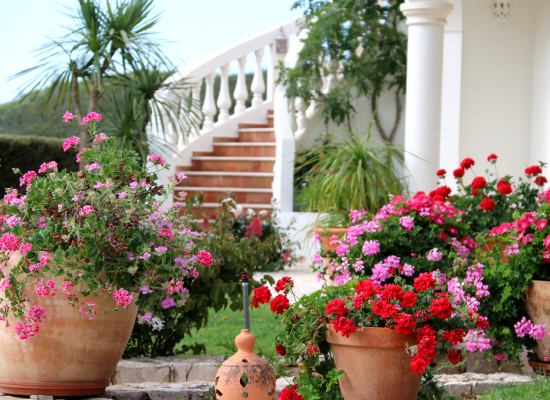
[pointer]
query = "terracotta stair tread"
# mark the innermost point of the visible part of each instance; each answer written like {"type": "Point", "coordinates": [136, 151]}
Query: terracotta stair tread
{"type": "Point", "coordinates": [256, 130]}
{"type": "Point", "coordinates": [215, 205]}
{"type": "Point", "coordinates": [220, 158]}
{"type": "Point", "coordinates": [221, 189]}
{"type": "Point", "coordinates": [244, 144]}
{"type": "Point", "coordinates": [224, 173]}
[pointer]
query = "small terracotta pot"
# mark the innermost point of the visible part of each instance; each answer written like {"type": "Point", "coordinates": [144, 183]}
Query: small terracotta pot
{"type": "Point", "coordinates": [540, 367]}
{"type": "Point", "coordinates": [325, 240]}
{"type": "Point", "coordinates": [490, 244]}
{"type": "Point", "coordinates": [375, 364]}
{"type": "Point", "coordinates": [537, 304]}
{"type": "Point", "coordinates": [70, 355]}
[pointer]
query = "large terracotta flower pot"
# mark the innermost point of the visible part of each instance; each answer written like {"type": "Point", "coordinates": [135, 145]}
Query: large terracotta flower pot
{"type": "Point", "coordinates": [537, 304]}
{"type": "Point", "coordinates": [325, 240]}
{"type": "Point", "coordinates": [375, 364]}
{"type": "Point", "coordinates": [70, 355]}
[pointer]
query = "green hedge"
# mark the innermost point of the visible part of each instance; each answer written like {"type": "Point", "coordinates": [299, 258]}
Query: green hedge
{"type": "Point", "coordinates": [29, 152]}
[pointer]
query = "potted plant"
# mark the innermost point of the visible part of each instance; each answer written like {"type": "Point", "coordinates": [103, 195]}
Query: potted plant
{"type": "Point", "coordinates": [371, 340]}
{"type": "Point", "coordinates": [492, 200]}
{"type": "Point", "coordinates": [356, 173]}
{"type": "Point", "coordinates": [518, 306]}
{"type": "Point", "coordinates": [407, 232]}
{"type": "Point", "coordinates": [81, 252]}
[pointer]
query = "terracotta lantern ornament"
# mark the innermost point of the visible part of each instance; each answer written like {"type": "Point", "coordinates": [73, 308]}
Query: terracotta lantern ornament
{"type": "Point", "coordinates": [245, 375]}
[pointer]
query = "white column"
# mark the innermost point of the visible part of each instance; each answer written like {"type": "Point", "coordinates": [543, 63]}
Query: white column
{"type": "Point", "coordinates": [258, 85]}
{"type": "Point", "coordinates": [209, 106]}
{"type": "Point", "coordinates": [224, 98]}
{"type": "Point", "coordinates": [426, 21]}
{"type": "Point", "coordinates": [240, 93]}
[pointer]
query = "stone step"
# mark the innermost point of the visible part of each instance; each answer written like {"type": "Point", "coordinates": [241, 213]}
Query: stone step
{"type": "Point", "coordinates": [233, 164]}
{"type": "Point", "coordinates": [270, 121]}
{"type": "Point", "coordinates": [243, 195]}
{"type": "Point", "coordinates": [257, 135]}
{"type": "Point", "coordinates": [218, 179]}
{"type": "Point", "coordinates": [244, 149]}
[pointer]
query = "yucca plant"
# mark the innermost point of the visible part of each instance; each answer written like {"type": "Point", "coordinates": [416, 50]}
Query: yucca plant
{"type": "Point", "coordinates": [355, 173]}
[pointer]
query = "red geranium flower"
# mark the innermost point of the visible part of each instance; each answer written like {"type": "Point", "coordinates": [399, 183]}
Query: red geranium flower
{"type": "Point", "coordinates": [533, 170]}
{"type": "Point", "coordinates": [279, 304]}
{"type": "Point", "coordinates": [284, 284]}
{"type": "Point", "coordinates": [262, 295]}
{"type": "Point", "coordinates": [479, 182]}
{"type": "Point", "coordinates": [467, 163]}
{"type": "Point", "coordinates": [404, 323]}
{"type": "Point", "coordinates": [384, 309]}
{"type": "Point", "coordinates": [540, 180]}
{"type": "Point", "coordinates": [441, 307]}
{"type": "Point", "coordinates": [344, 326]}
{"type": "Point", "coordinates": [455, 356]}
{"type": "Point", "coordinates": [367, 287]}
{"type": "Point", "coordinates": [337, 306]}
{"type": "Point", "coordinates": [312, 350]}
{"type": "Point", "coordinates": [441, 173]}
{"type": "Point", "coordinates": [424, 281]}
{"type": "Point", "coordinates": [487, 204]}
{"type": "Point", "coordinates": [492, 158]}
{"type": "Point", "coordinates": [458, 173]}
{"type": "Point", "coordinates": [280, 349]}
{"type": "Point", "coordinates": [289, 393]}
{"type": "Point", "coordinates": [455, 336]}
{"type": "Point", "coordinates": [504, 187]}
{"type": "Point", "coordinates": [391, 292]}
{"type": "Point", "coordinates": [408, 299]}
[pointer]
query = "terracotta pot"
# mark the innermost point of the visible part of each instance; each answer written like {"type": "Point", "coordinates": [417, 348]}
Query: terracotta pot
{"type": "Point", "coordinates": [70, 355]}
{"type": "Point", "coordinates": [325, 240]}
{"type": "Point", "coordinates": [490, 244]}
{"type": "Point", "coordinates": [537, 303]}
{"type": "Point", "coordinates": [375, 364]}
{"type": "Point", "coordinates": [540, 367]}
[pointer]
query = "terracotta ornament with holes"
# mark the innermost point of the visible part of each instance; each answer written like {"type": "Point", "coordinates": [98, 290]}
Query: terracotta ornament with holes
{"type": "Point", "coordinates": [245, 375]}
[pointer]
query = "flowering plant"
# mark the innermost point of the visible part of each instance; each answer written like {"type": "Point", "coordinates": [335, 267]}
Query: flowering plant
{"type": "Point", "coordinates": [105, 231]}
{"type": "Point", "coordinates": [437, 316]}
{"type": "Point", "coordinates": [523, 255]}
{"type": "Point", "coordinates": [489, 201]}
{"type": "Point", "coordinates": [406, 235]}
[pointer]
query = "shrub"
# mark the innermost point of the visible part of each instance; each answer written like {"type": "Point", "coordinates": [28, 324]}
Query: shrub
{"type": "Point", "coordinates": [27, 153]}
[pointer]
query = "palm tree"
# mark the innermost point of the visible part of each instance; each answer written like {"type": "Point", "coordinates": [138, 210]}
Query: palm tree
{"type": "Point", "coordinates": [109, 43]}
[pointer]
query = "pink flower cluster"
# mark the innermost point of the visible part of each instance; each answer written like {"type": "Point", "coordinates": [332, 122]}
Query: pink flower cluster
{"type": "Point", "coordinates": [70, 143]}
{"type": "Point", "coordinates": [86, 210]}
{"type": "Point", "coordinates": [168, 302]}
{"type": "Point", "coordinates": [166, 233]}
{"type": "Point", "coordinates": [9, 242]}
{"type": "Point", "coordinates": [477, 342]}
{"type": "Point", "coordinates": [68, 117]}
{"type": "Point", "coordinates": [435, 255]}
{"type": "Point", "coordinates": [176, 286]}
{"type": "Point", "coordinates": [356, 215]}
{"type": "Point", "coordinates": [407, 223]}
{"type": "Point", "coordinates": [156, 159]}
{"type": "Point", "coordinates": [371, 247]}
{"type": "Point", "coordinates": [29, 327]}
{"type": "Point", "coordinates": [205, 258]}
{"type": "Point", "coordinates": [43, 262]}
{"type": "Point", "coordinates": [52, 165]}
{"type": "Point", "coordinates": [45, 289]}
{"type": "Point", "coordinates": [27, 178]}
{"type": "Point", "coordinates": [526, 327]}
{"type": "Point", "coordinates": [93, 116]}
{"type": "Point", "coordinates": [87, 310]}
{"type": "Point", "coordinates": [122, 297]}
{"type": "Point", "coordinates": [100, 137]}
{"type": "Point", "coordinates": [91, 167]}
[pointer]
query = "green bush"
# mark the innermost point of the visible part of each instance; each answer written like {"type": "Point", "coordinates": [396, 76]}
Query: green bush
{"type": "Point", "coordinates": [27, 153]}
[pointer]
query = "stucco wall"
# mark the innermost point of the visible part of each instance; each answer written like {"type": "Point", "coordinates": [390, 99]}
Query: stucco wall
{"type": "Point", "coordinates": [497, 82]}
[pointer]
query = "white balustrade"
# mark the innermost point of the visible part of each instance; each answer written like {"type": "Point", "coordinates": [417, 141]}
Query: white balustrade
{"type": "Point", "coordinates": [209, 107]}
{"type": "Point", "coordinates": [258, 85]}
{"type": "Point", "coordinates": [301, 119]}
{"type": "Point", "coordinates": [224, 99]}
{"type": "Point", "coordinates": [241, 94]}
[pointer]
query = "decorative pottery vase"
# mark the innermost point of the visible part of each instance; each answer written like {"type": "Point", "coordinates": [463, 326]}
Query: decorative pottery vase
{"type": "Point", "coordinates": [70, 355]}
{"type": "Point", "coordinates": [375, 364]}
{"type": "Point", "coordinates": [537, 304]}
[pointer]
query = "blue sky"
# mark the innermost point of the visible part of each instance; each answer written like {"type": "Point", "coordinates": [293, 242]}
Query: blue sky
{"type": "Point", "coordinates": [197, 28]}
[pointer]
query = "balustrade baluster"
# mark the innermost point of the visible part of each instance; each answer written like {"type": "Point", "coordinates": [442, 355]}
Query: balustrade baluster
{"type": "Point", "coordinates": [241, 94]}
{"type": "Point", "coordinates": [258, 85]}
{"type": "Point", "coordinates": [209, 106]}
{"type": "Point", "coordinates": [195, 106]}
{"type": "Point", "coordinates": [301, 119]}
{"type": "Point", "coordinates": [224, 98]}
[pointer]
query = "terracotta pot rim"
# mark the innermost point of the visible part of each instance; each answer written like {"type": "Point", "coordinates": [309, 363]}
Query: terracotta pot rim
{"type": "Point", "coordinates": [371, 337]}
{"type": "Point", "coordinates": [321, 230]}
{"type": "Point", "coordinates": [54, 388]}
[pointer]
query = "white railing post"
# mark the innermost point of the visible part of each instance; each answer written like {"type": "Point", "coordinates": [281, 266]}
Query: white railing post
{"type": "Point", "coordinates": [196, 96]}
{"type": "Point", "coordinates": [209, 107]}
{"type": "Point", "coordinates": [241, 94]}
{"type": "Point", "coordinates": [258, 85]}
{"type": "Point", "coordinates": [224, 98]}
{"type": "Point", "coordinates": [301, 119]}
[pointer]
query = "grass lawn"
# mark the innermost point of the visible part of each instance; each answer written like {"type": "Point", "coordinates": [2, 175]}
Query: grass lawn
{"type": "Point", "coordinates": [264, 325]}
{"type": "Point", "coordinates": [537, 390]}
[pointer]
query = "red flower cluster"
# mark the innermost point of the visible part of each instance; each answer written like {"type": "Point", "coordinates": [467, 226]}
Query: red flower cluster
{"type": "Point", "coordinates": [404, 323]}
{"type": "Point", "coordinates": [504, 187]}
{"type": "Point", "coordinates": [312, 350]}
{"type": "Point", "coordinates": [455, 356]}
{"type": "Point", "coordinates": [255, 227]}
{"type": "Point", "coordinates": [487, 204]}
{"type": "Point", "coordinates": [441, 307]}
{"type": "Point", "coordinates": [262, 295]}
{"type": "Point", "coordinates": [345, 326]}
{"type": "Point", "coordinates": [467, 163]}
{"type": "Point", "coordinates": [492, 158]}
{"type": "Point", "coordinates": [441, 173]}
{"type": "Point", "coordinates": [425, 350]}
{"type": "Point", "coordinates": [441, 193]}
{"type": "Point", "coordinates": [408, 299]}
{"type": "Point", "coordinates": [458, 173]}
{"type": "Point", "coordinates": [454, 337]}
{"type": "Point", "coordinates": [280, 349]}
{"type": "Point", "coordinates": [469, 242]}
{"type": "Point", "coordinates": [424, 281]}
{"type": "Point", "coordinates": [284, 284]}
{"type": "Point", "coordinates": [279, 304]}
{"type": "Point", "coordinates": [540, 180]}
{"type": "Point", "coordinates": [391, 292]}
{"type": "Point", "coordinates": [533, 171]}
{"type": "Point", "coordinates": [479, 182]}
{"type": "Point", "coordinates": [337, 306]}
{"type": "Point", "coordinates": [289, 393]}
{"type": "Point", "coordinates": [384, 309]}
